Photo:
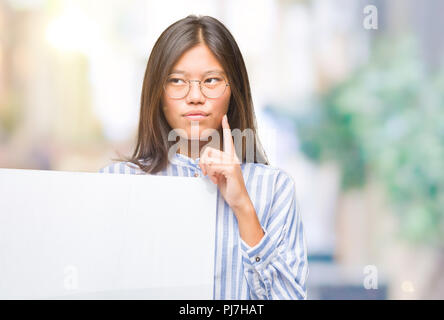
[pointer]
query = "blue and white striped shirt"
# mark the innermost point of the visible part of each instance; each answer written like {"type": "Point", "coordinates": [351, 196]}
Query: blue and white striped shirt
{"type": "Point", "coordinates": [275, 268]}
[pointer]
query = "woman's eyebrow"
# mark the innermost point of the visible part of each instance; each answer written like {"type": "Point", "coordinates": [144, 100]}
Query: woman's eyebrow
{"type": "Point", "coordinates": [206, 72]}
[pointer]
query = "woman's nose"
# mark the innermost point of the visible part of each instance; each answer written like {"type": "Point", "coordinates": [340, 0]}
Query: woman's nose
{"type": "Point", "coordinates": [195, 95]}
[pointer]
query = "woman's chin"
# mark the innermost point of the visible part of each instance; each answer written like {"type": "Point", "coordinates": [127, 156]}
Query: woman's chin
{"type": "Point", "coordinates": [203, 134]}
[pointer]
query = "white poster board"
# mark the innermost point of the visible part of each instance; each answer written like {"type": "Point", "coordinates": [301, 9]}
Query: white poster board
{"type": "Point", "coordinates": [80, 235]}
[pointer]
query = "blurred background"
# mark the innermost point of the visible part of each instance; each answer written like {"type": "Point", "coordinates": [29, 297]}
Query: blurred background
{"type": "Point", "coordinates": [349, 98]}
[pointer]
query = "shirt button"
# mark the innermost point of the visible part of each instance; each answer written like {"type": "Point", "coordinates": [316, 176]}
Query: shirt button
{"type": "Point", "coordinates": [258, 259]}
{"type": "Point", "coordinates": [196, 174]}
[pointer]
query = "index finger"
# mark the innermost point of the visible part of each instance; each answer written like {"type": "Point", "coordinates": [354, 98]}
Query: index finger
{"type": "Point", "coordinates": [228, 139]}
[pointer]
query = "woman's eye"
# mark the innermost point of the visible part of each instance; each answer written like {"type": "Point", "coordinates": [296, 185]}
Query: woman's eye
{"type": "Point", "coordinates": [176, 81]}
{"type": "Point", "coordinates": [212, 80]}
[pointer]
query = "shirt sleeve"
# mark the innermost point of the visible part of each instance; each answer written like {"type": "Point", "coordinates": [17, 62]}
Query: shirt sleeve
{"type": "Point", "coordinates": [107, 169]}
{"type": "Point", "coordinates": [277, 268]}
{"type": "Point", "coordinates": [118, 167]}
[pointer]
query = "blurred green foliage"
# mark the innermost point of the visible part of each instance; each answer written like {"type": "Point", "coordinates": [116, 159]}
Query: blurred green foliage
{"type": "Point", "coordinates": [387, 120]}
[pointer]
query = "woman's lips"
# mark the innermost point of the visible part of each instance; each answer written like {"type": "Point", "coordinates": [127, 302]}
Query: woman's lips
{"type": "Point", "coordinates": [195, 117]}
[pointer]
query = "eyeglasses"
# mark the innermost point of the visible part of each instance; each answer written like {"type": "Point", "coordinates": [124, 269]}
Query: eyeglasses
{"type": "Point", "coordinates": [212, 86]}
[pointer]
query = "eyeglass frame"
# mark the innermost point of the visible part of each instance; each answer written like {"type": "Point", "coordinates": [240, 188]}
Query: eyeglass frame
{"type": "Point", "coordinates": [227, 84]}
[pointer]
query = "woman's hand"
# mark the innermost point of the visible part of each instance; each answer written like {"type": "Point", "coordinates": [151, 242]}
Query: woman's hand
{"type": "Point", "coordinates": [223, 168]}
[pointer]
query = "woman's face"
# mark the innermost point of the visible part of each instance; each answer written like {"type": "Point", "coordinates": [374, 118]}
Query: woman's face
{"type": "Point", "coordinates": [194, 64]}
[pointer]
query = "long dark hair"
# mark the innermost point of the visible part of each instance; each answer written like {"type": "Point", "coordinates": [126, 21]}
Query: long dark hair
{"type": "Point", "coordinates": [151, 152]}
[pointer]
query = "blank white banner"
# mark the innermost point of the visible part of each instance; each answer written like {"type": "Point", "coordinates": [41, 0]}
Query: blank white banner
{"type": "Point", "coordinates": [79, 235]}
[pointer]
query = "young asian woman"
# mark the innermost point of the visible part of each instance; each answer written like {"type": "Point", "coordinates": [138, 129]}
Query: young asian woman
{"type": "Point", "coordinates": [196, 85]}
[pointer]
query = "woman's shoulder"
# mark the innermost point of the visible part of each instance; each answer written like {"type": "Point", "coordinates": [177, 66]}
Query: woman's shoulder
{"type": "Point", "coordinates": [280, 175]}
